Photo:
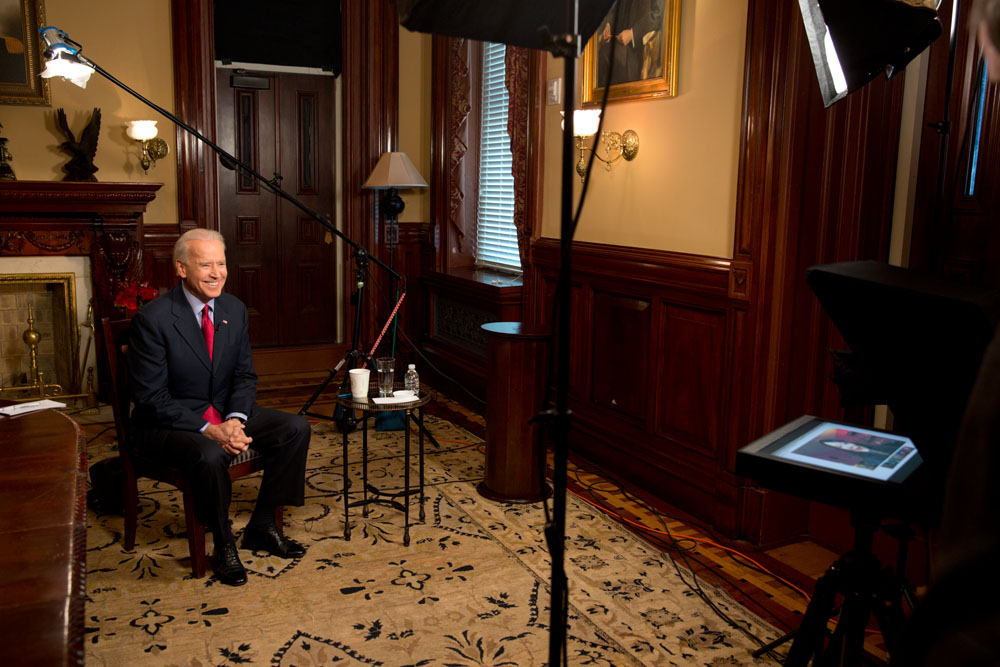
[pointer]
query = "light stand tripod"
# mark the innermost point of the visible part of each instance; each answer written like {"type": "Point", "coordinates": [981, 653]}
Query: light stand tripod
{"type": "Point", "coordinates": [867, 589]}
{"type": "Point", "coordinates": [346, 422]}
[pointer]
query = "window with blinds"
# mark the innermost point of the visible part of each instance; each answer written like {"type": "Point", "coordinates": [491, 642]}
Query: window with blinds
{"type": "Point", "coordinates": [496, 236]}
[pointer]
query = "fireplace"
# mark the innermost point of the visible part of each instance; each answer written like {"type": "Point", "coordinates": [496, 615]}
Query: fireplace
{"type": "Point", "coordinates": [92, 231]}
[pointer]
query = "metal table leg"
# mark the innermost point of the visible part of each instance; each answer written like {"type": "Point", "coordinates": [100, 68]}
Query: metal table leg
{"type": "Point", "coordinates": [406, 484]}
{"type": "Point", "coordinates": [347, 483]}
{"type": "Point", "coordinates": [364, 464]}
{"type": "Point", "coordinates": [420, 430]}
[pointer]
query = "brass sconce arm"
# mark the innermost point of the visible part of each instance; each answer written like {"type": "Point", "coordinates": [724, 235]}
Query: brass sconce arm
{"type": "Point", "coordinates": [616, 146]}
{"type": "Point", "coordinates": [152, 150]}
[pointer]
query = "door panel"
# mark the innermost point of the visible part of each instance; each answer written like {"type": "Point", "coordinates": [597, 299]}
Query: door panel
{"type": "Point", "coordinates": [281, 260]}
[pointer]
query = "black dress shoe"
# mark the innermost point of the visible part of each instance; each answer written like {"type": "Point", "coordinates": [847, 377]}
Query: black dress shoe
{"type": "Point", "coordinates": [273, 542]}
{"type": "Point", "coordinates": [228, 567]}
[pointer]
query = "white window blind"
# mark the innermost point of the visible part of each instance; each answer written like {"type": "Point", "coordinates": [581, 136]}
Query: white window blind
{"type": "Point", "coordinates": [496, 236]}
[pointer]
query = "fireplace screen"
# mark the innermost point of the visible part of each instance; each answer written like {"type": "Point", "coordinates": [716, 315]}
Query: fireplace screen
{"type": "Point", "coordinates": [39, 336]}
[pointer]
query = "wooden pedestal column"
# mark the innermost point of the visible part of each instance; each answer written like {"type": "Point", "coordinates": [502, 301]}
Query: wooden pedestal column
{"type": "Point", "coordinates": [515, 386]}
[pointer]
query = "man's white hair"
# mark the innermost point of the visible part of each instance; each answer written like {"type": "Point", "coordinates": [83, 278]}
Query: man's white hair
{"type": "Point", "coordinates": [196, 234]}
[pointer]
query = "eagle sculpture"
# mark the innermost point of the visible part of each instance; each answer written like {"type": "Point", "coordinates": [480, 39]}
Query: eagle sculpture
{"type": "Point", "coordinates": [81, 166]}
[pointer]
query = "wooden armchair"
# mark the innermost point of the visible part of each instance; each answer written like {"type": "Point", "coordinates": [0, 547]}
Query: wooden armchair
{"type": "Point", "coordinates": [114, 343]}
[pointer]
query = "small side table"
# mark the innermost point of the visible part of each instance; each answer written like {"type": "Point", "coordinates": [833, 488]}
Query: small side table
{"type": "Point", "coordinates": [513, 397]}
{"type": "Point", "coordinates": [370, 494]}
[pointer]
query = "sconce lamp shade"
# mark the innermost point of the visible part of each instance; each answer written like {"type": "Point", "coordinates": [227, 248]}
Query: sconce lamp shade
{"type": "Point", "coordinates": [394, 170]}
{"type": "Point", "coordinates": [141, 130]}
{"type": "Point", "coordinates": [585, 122]}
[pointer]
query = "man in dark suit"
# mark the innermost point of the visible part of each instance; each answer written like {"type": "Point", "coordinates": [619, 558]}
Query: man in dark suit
{"type": "Point", "coordinates": [637, 18]}
{"type": "Point", "coordinates": [194, 403]}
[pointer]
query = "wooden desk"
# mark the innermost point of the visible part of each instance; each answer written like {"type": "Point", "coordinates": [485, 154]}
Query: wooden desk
{"type": "Point", "coordinates": [43, 529]}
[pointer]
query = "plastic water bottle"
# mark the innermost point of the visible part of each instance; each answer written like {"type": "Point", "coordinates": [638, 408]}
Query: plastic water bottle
{"type": "Point", "coordinates": [411, 380]}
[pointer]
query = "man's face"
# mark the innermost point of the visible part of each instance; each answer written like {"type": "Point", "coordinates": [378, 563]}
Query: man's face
{"type": "Point", "coordinates": [204, 271]}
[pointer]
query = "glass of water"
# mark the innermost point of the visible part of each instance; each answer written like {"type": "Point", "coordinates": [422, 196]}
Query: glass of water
{"type": "Point", "coordinates": [386, 374]}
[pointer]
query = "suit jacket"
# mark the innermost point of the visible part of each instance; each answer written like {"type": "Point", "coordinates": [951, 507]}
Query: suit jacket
{"type": "Point", "coordinates": [172, 379]}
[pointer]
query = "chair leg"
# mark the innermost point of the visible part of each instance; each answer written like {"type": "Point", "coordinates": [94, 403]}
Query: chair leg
{"type": "Point", "coordinates": [130, 509]}
{"type": "Point", "coordinates": [196, 538]}
{"type": "Point", "coordinates": [279, 516]}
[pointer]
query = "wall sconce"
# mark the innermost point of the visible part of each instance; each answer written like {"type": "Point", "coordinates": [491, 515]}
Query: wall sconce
{"type": "Point", "coordinates": [153, 149]}
{"type": "Point", "coordinates": [616, 145]}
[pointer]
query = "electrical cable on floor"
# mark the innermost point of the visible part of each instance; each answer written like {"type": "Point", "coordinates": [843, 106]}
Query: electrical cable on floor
{"type": "Point", "coordinates": [674, 543]}
{"type": "Point", "coordinates": [694, 585]}
{"type": "Point", "coordinates": [620, 489]}
{"type": "Point", "coordinates": [674, 540]}
{"type": "Point", "coordinates": [102, 432]}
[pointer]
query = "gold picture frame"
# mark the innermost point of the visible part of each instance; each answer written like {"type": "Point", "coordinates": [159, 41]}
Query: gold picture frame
{"type": "Point", "coordinates": [21, 53]}
{"type": "Point", "coordinates": [646, 66]}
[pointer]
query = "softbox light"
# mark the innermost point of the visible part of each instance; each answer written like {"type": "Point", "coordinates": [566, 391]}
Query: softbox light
{"type": "Point", "coordinates": [852, 41]}
{"type": "Point", "coordinates": [511, 22]}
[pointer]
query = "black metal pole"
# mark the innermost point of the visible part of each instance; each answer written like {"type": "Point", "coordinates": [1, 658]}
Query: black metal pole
{"type": "Point", "coordinates": [559, 596]}
{"type": "Point", "coordinates": [232, 162]}
{"type": "Point", "coordinates": [944, 126]}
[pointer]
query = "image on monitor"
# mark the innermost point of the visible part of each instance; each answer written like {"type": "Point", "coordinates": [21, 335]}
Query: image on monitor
{"type": "Point", "coordinates": [850, 449]}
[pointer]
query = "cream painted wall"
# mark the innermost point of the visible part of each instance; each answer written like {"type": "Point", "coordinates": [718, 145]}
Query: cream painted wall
{"type": "Point", "coordinates": [132, 41]}
{"type": "Point", "coordinates": [415, 117]}
{"type": "Point", "coordinates": [679, 194]}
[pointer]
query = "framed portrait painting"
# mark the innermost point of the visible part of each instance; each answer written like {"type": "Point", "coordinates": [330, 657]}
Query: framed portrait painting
{"type": "Point", "coordinates": [645, 54]}
{"type": "Point", "coordinates": [21, 53]}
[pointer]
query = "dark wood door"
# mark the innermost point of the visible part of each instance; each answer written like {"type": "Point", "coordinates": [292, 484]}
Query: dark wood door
{"type": "Point", "coordinates": [282, 262]}
{"type": "Point", "coordinates": [955, 234]}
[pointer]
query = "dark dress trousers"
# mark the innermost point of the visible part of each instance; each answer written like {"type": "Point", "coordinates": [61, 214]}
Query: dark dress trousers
{"type": "Point", "coordinates": [173, 382]}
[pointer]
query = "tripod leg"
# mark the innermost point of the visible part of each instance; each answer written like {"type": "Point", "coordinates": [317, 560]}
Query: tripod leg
{"type": "Point", "coordinates": [312, 399]}
{"type": "Point", "coordinates": [888, 608]}
{"type": "Point", "coordinates": [848, 643]}
{"type": "Point", "coordinates": [770, 646]}
{"type": "Point", "coordinates": [811, 634]}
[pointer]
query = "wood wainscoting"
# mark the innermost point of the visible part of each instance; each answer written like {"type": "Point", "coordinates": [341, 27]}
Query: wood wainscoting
{"type": "Point", "coordinates": [652, 352]}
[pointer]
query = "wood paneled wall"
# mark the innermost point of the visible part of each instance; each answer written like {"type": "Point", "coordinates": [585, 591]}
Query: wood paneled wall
{"type": "Point", "coordinates": [680, 360]}
{"type": "Point", "coordinates": [651, 352]}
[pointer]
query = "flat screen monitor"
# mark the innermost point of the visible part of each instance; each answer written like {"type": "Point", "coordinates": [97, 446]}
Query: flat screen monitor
{"type": "Point", "coordinates": [832, 462]}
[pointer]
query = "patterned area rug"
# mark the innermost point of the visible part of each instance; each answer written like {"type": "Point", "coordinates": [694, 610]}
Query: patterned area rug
{"type": "Point", "coordinates": [470, 589]}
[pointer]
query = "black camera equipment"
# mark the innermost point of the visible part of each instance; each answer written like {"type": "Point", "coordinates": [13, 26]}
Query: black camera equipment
{"type": "Point", "coordinates": [916, 344]}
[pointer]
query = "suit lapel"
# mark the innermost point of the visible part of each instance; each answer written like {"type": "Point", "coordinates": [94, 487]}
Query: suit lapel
{"type": "Point", "coordinates": [188, 328]}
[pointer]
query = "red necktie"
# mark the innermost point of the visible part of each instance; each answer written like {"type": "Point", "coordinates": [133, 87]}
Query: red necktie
{"type": "Point", "coordinates": [208, 330]}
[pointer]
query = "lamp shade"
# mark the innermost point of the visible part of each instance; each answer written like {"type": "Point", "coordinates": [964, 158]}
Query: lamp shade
{"type": "Point", "coordinates": [394, 170]}
{"type": "Point", "coordinates": [141, 130]}
{"type": "Point", "coordinates": [585, 122]}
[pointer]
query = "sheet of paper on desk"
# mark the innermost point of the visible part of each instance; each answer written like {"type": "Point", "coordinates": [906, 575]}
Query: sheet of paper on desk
{"type": "Point", "coordinates": [31, 406]}
{"type": "Point", "coordinates": [384, 400]}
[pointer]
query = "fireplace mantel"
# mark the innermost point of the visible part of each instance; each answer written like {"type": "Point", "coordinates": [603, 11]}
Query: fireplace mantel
{"type": "Point", "coordinates": [102, 220]}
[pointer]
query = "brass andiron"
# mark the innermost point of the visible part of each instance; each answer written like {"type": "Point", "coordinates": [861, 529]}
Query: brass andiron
{"type": "Point", "coordinates": [86, 391]}
{"type": "Point", "coordinates": [86, 324]}
{"type": "Point", "coordinates": [32, 338]}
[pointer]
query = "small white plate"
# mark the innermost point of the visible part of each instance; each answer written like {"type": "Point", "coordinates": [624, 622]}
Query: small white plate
{"type": "Point", "coordinates": [402, 393]}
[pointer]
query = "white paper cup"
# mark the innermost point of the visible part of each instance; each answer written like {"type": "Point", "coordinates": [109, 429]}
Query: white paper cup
{"type": "Point", "coordinates": [359, 382]}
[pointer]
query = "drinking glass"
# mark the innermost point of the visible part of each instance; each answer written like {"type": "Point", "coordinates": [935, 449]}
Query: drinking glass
{"type": "Point", "coordinates": [386, 374]}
